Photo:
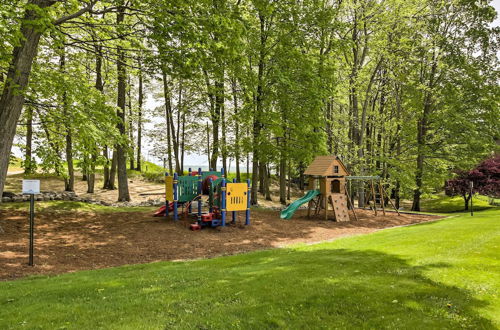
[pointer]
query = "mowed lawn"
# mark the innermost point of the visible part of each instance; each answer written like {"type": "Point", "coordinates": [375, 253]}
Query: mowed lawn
{"type": "Point", "coordinates": [439, 275]}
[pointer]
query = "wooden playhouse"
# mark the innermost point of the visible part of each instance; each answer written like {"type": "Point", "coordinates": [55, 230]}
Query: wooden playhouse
{"type": "Point", "coordinates": [328, 175]}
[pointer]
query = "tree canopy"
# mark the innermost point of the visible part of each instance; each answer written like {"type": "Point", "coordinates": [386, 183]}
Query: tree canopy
{"type": "Point", "coordinates": [407, 90]}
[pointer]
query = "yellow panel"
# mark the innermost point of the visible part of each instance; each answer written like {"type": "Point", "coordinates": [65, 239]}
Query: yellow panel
{"type": "Point", "coordinates": [236, 196]}
{"type": "Point", "coordinates": [169, 188]}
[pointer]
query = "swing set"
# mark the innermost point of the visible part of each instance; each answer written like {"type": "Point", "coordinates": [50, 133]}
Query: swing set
{"type": "Point", "coordinates": [376, 192]}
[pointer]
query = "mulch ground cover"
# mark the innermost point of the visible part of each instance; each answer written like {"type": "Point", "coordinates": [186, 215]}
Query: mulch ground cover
{"type": "Point", "coordinates": [68, 242]}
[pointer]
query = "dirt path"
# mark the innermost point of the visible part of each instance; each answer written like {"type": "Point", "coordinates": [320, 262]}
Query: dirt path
{"type": "Point", "coordinates": [15, 172]}
{"type": "Point", "coordinates": [67, 242]}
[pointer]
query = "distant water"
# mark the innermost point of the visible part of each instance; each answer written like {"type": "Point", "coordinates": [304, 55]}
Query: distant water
{"type": "Point", "coordinates": [206, 168]}
{"type": "Point", "coordinates": [232, 169]}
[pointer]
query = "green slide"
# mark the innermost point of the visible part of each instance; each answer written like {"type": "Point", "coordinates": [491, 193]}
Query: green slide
{"type": "Point", "coordinates": [290, 210]}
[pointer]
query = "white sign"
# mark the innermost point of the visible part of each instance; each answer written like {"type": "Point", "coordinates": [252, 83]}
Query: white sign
{"type": "Point", "coordinates": [31, 186]}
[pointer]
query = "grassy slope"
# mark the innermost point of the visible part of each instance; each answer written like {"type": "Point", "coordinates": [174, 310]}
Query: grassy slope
{"type": "Point", "coordinates": [444, 204]}
{"type": "Point", "coordinates": [444, 274]}
{"type": "Point", "coordinates": [15, 165]}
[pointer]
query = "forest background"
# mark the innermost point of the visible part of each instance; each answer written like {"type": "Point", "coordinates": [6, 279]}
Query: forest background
{"type": "Point", "coordinates": [407, 90]}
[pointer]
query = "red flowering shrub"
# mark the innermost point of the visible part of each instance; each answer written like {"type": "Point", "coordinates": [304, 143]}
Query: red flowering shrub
{"type": "Point", "coordinates": [485, 178]}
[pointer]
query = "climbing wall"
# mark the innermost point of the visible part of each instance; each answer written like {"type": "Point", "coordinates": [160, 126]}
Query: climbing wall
{"type": "Point", "coordinates": [339, 202]}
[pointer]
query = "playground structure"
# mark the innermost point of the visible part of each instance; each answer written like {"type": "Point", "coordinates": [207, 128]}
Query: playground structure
{"type": "Point", "coordinates": [328, 177]}
{"type": "Point", "coordinates": [182, 191]}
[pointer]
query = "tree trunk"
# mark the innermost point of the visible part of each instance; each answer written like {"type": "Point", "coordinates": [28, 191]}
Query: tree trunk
{"type": "Point", "coordinates": [171, 136]}
{"type": "Point", "coordinates": [248, 156]}
{"type": "Point", "coordinates": [236, 131]}
{"type": "Point", "coordinates": [181, 119]}
{"type": "Point", "coordinates": [130, 126]}
{"type": "Point", "coordinates": [467, 198]}
{"type": "Point", "coordinates": [257, 125]}
{"type": "Point", "coordinates": [255, 179]}
{"type": "Point", "coordinates": [168, 110]}
{"type": "Point", "coordinates": [121, 159]}
{"type": "Point", "coordinates": [106, 172]}
{"type": "Point", "coordinates": [215, 116]}
{"type": "Point", "coordinates": [329, 130]}
{"type": "Point", "coordinates": [12, 99]}
{"type": "Point", "coordinates": [267, 183]}
{"type": "Point", "coordinates": [398, 96]}
{"type": "Point", "coordinates": [262, 177]}
{"type": "Point", "coordinates": [112, 172]}
{"type": "Point", "coordinates": [91, 178]}
{"type": "Point", "coordinates": [420, 167]}
{"type": "Point", "coordinates": [93, 159]}
{"type": "Point", "coordinates": [183, 140]}
{"type": "Point", "coordinates": [139, 120]}
{"type": "Point", "coordinates": [224, 137]}
{"type": "Point", "coordinates": [177, 144]}
{"type": "Point", "coordinates": [69, 182]}
{"type": "Point", "coordinates": [422, 129]}
{"type": "Point", "coordinates": [289, 183]}
{"type": "Point", "coordinates": [100, 87]}
{"type": "Point", "coordinates": [208, 144]}
{"type": "Point", "coordinates": [283, 158]}
{"type": "Point", "coordinates": [397, 194]}
{"type": "Point", "coordinates": [301, 176]}
{"type": "Point", "coordinates": [28, 159]}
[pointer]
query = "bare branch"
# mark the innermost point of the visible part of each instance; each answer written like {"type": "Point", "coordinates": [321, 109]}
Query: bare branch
{"type": "Point", "coordinates": [76, 14]}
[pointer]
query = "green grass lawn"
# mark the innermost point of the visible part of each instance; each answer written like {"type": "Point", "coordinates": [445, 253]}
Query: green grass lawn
{"type": "Point", "coordinates": [440, 203]}
{"type": "Point", "coordinates": [439, 275]}
{"type": "Point", "coordinates": [15, 164]}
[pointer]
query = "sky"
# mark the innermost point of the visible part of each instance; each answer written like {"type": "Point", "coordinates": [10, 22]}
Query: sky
{"type": "Point", "coordinates": [496, 4]}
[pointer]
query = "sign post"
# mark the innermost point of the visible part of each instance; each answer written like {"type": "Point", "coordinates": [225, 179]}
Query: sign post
{"type": "Point", "coordinates": [31, 187]}
{"type": "Point", "coordinates": [32, 229]}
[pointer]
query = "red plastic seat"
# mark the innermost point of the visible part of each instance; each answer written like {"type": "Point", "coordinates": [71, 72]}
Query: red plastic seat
{"type": "Point", "coordinates": [207, 217]}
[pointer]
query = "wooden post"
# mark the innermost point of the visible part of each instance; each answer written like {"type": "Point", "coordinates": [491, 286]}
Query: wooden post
{"type": "Point", "coordinates": [350, 202]}
{"type": "Point", "coordinates": [390, 201]}
{"type": "Point", "coordinates": [368, 198]}
{"type": "Point", "coordinates": [374, 199]}
{"type": "Point", "coordinates": [326, 208]}
{"type": "Point", "coordinates": [382, 202]}
{"type": "Point", "coordinates": [318, 205]}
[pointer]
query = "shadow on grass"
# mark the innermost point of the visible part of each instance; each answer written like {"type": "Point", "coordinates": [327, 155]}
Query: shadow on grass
{"type": "Point", "coordinates": [343, 288]}
{"type": "Point", "coordinates": [287, 288]}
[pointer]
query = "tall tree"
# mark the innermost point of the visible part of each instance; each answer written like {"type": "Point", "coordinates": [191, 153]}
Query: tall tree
{"type": "Point", "coordinates": [12, 98]}
{"type": "Point", "coordinates": [120, 147]}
